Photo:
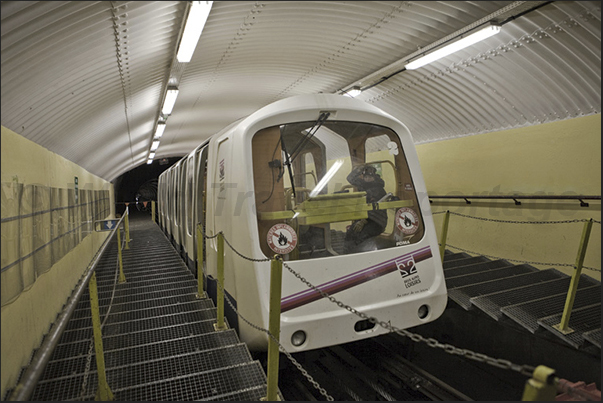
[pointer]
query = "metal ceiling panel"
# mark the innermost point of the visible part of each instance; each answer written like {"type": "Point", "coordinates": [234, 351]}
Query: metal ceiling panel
{"type": "Point", "coordinates": [86, 79]}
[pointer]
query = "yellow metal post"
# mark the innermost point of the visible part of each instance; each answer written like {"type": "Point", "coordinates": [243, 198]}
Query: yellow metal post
{"type": "Point", "coordinates": [103, 392]}
{"type": "Point", "coordinates": [444, 235]}
{"type": "Point", "coordinates": [220, 325]}
{"type": "Point", "coordinates": [122, 277]}
{"type": "Point", "coordinates": [200, 275]}
{"type": "Point", "coordinates": [274, 326]}
{"type": "Point", "coordinates": [153, 210]}
{"type": "Point", "coordinates": [571, 293]}
{"type": "Point", "coordinates": [541, 387]}
{"type": "Point", "coordinates": [127, 227]}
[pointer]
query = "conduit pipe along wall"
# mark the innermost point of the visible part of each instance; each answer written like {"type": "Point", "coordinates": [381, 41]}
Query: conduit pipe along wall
{"type": "Point", "coordinates": [559, 158]}
{"type": "Point", "coordinates": [48, 240]}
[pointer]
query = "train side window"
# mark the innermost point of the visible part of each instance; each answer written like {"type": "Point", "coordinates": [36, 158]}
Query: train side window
{"type": "Point", "coordinates": [182, 188]}
{"type": "Point", "coordinates": [190, 169]}
{"type": "Point", "coordinates": [200, 199]}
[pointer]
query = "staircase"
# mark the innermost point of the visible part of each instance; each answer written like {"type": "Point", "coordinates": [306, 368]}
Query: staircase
{"type": "Point", "coordinates": [159, 339]}
{"type": "Point", "coordinates": [534, 299]}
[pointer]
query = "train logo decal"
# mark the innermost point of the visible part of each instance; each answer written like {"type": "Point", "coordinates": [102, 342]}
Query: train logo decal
{"type": "Point", "coordinates": [407, 220]}
{"type": "Point", "coordinates": [282, 239]}
{"type": "Point", "coordinates": [406, 266]}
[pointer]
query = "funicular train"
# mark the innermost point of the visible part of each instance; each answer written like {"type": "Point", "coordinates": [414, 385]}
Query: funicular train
{"type": "Point", "coordinates": [333, 185]}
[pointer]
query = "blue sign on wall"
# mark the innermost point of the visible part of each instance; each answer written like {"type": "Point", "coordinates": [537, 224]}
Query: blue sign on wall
{"type": "Point", "coordinates": [106, 225]}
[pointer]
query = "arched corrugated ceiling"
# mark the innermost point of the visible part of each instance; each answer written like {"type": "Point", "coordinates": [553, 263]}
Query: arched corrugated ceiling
{"type": "Point", "coordinates": [86, 79]}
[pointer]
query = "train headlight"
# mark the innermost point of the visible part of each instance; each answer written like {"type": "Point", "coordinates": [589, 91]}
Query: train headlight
{"type": "Point", "coordinates": [423, 311]}
{"type": "Point", "coordinates": [298, 338]}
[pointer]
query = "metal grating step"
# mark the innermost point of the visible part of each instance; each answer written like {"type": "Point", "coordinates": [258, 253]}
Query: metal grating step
{"type": "Point", "coordinates": [581, 320]}
{"type": "Point", "coordinates": [250, 394]}
{"type": "Point", "coordinates": [202, 331]}
{"type": "Point", "coordinates": [133, 286]}
{"type": "Point", "coordinates": [154, 369]}
{"type": "Point", "coordinates": [527, 314]}
{"type": "Point", "coordinates": [593, 336]}
{"type": "Point", "coordinates": [448, 264]}
{"type": "Point", "coordinates": [120, 314]}
{"type": "Point", "coordinates": [448, 255]}
{"type": "Point", "coordinates": [125, 299]}
{"type": "Point", "coordinates": [463, 295]}
{"type": "Point", "coordinates": [492, 303]}
{"type": "Point", "coordinates": [123, 328]}
{"type": "Point", "coordinates": [494, 274]}
{"type": "Point", "coordinates": [134, 276]}
{"type": "Point", "coordinates": [197, 386]}
{"type": "Point", "coordinates": [115, 356]}
{"type": "Point", "coordinates": [135, 292]}
{"type": "Point", "coordinates": [142, 304]}
{"type": "Point", "coordinates": [475, 268]}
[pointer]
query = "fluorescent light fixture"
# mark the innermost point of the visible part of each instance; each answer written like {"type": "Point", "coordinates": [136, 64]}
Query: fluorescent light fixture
{"type": "Point", "coordinates": [325, 179]}
{"type": "Point", "coordinates": [151, 155]}
{"type": "Point", "coordinates": [149, 162]}
{"type": "Point", "coordinates": [159, 131]}
{"type": "Point", "coordinates": [197, 16]}
{"type": "Point", "coordinates": [170, 100]}
{"type": "Point", "coordinates": [455, 46]}
{"type": "Point", "coordinates": [155, 145]}
{"type": "Point", "coordinates": [354, 92]}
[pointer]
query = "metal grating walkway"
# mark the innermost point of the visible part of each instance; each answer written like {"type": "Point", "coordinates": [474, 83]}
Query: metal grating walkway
{"type": "Point", "coordinates": [532, 298]}
{"type": "Point", "coordinates": [159, 340]}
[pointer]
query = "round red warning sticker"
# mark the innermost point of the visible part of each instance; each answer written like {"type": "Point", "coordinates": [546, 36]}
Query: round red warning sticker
{"type": "Point", "coordinates": [407, 220]}
{"type": "Point", "coordinates": [282, 239]}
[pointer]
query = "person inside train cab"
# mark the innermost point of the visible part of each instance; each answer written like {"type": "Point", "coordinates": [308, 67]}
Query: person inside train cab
{"type": "Point", "coordinates": [365, 178]}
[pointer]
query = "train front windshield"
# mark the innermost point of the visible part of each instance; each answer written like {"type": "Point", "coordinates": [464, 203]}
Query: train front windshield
{"type": "Point", "coordinates": [329, 188]}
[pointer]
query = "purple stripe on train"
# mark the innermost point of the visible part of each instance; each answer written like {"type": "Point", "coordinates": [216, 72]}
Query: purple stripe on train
{"type": "Point", "coordinates": [353, 279]}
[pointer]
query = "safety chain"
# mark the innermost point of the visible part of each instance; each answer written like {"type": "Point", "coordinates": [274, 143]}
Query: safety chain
{"type": "Point", "coordinates": [521, 222]}
{"type": "Point", "coordinates": [243, 256]}
{"type": "Point", "coordinates": [517, 222]}
{"type": "Point", "coordinates": [282, 349]}
{"type": "Point", "coordinates": [521, 261]}
{"type": "Point", "coordinates": [526, 370]}
{"type": "Point", "coordinates": [89, 357]}
{"type": "Point", "coordinates": [87, 368]}
{"type": "Point", "coordinates": [232, 247]}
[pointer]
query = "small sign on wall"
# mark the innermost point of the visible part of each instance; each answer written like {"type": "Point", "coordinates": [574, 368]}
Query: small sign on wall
{"type": "Point", "coordinates": [76, 191]}
{"type": "Point", "coordinates": [105, 225]}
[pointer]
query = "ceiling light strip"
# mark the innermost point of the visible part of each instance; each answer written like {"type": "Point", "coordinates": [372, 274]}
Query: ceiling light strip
{"type": "Point", "coordinates": [398, 65]}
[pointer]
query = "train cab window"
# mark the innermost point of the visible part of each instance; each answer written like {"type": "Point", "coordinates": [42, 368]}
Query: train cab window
{"type": "Point", "coordinates": [332, 188]}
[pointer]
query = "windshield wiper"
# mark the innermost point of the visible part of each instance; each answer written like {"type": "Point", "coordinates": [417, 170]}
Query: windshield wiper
{"type": "Point", "coordinates": [309, 134]}
{"type": "Point", "coordinates": [288, 164]}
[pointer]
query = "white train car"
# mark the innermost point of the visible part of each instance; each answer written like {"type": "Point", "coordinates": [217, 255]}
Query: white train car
{"type": "Point", "coordinates": [333, 185]}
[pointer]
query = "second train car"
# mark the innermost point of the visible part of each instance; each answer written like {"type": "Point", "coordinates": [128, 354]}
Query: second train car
{"type": "Point", "coordinates": [333, 185]}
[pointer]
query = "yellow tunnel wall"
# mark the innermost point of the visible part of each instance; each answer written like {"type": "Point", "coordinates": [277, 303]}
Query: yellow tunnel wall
{"type": "Point", "coordinates": [28, 315]}
{"type": "Point", "coordinates": [559, 158]}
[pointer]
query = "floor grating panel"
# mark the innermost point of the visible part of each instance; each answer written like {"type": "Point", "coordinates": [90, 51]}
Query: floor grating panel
{"type": "Point", "coordinates": [449, 264]}
{"type": "Point", "coordinates": [463, 295]}
{"type": "Point", "coordinates": [594, 337]}
{"type": "Point", "coordinates": [527, 314]}
{"type": "Point", "coordinates": [581, 320]}
{"type": "Point", "coordinates": [494, 274]}
{"type": "Point", "coordinates": [492, 303]}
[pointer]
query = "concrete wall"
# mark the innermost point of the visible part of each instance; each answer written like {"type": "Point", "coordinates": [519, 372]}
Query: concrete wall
{"type": "Point", "coordinates": [560, 158]}
{"type": "Point", "coordinates": [28, 315]}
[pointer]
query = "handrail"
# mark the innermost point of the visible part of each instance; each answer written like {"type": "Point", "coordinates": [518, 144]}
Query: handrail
{"type": "Point", "coordinates": [524, 197]}
{"type": "Point", "coordinates": [30, 377]}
